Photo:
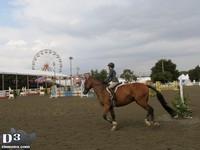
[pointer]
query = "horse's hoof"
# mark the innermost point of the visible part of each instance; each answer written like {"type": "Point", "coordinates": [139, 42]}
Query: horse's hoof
{"type": "Point", "coordinates": [175, 117]}
{"type": "Point", "coordinates": [114, 127]}
{"type": "Point", "coordinates": [148, 123]}
{"type": "Point", "coordinates": [157, 124]}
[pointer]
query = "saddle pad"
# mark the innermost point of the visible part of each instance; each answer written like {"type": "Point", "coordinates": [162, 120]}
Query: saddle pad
{"type": "Point", "coordinates": [116, 88]}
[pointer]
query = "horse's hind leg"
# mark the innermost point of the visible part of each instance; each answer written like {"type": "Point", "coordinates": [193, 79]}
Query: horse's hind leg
{"type": "Point", "coordinates": [149, 120]}
{"type": "Point", "coordinates": [150, 115]}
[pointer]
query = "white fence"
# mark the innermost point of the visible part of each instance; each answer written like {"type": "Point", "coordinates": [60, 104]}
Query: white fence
{"type": "Point", "coordinates": [3, 94]}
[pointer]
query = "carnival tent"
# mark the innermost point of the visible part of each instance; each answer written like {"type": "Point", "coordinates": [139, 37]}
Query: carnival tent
{"type": "Point", "coordinates": [21, 72]}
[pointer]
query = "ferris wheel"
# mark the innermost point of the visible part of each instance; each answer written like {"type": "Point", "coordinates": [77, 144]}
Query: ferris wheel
{"type": "Point", "coordinates": [47, 60]}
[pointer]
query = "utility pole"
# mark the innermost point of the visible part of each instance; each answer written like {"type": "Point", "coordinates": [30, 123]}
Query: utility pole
{"type": "Point", "coordinates": [70, 59]}
{"type": "Point", "coordinates": [163, 67]}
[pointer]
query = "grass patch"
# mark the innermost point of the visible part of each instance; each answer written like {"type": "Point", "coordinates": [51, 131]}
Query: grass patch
{"type": "Point", "coordinates": [181, 108]}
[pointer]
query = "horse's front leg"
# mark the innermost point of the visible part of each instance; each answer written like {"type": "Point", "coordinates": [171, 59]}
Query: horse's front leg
{"type": "Point", "coordinates": [114, 122]}
{"type": "Point", "coordinates": [106, 109]}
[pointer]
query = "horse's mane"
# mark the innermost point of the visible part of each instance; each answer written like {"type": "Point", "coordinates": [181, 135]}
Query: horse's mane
{"type": "Point", "coordinates": [98, 82]}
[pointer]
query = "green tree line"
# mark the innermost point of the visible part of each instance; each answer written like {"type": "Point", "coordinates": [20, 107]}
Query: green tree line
{"type": "Point", "coordinates": [164, 71]}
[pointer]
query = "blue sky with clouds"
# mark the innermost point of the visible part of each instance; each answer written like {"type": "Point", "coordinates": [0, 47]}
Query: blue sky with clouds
{"type": "Point", "coordinates": [132, 33]}
{"type": "Point", "coordinates": [6, 14]}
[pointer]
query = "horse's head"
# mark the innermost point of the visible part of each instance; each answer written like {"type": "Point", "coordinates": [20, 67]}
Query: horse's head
{"type": "Point", "coordinates": [87, 84]}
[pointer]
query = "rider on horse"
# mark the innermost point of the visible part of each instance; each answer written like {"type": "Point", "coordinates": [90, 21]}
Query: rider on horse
{"type": "Point", "coordinates": [112, 80]}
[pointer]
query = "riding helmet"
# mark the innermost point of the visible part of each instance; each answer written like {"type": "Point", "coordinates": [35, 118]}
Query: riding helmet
{"type": "Point", "coordinates": [111, 65]}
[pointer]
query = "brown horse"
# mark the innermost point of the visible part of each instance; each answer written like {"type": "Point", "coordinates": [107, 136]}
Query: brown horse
{"type": "Point", "coordinates": [125, 94]}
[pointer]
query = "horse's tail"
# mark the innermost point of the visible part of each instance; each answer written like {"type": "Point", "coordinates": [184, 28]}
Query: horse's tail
{"type": "Point", "coordinates": [163, 102]}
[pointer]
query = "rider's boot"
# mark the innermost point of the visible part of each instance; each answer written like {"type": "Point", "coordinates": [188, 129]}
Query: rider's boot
{"type": "Point", "coordinates": [113, 97]}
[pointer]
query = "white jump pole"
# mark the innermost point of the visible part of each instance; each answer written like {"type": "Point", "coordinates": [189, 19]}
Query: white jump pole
{"type": "Point", "coordinates": [181, 91]}
{"type": "Point", "coordinates": [181, 79]}
{"type": "Point", "coordinates": [82, 89]}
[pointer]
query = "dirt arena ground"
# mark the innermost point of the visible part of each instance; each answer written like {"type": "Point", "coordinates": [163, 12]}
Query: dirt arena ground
{"type": "Point", "coordinates": [72, 123]}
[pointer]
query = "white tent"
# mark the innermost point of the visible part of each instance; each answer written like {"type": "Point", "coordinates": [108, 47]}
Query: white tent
{"type": "Point", "coordinates": [185, 80]}
{"type": "Point", "coordinates": [30, 72]}
{"type": "Point", "coordinates": [143, 79]}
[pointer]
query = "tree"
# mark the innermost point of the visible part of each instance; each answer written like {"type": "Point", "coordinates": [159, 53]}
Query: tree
{"type": "Point", "coordinates": [164, 71]}
{"type": "Point", "coordinates": [102, 75]}
{"type": "Point", "coordinates": [128, 75]}
{"type": "Point", "coordinates": [194, 74]}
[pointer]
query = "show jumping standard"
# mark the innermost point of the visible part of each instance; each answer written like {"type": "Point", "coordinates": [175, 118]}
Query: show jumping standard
{"type": "Point", "coordinates": [126, 94]}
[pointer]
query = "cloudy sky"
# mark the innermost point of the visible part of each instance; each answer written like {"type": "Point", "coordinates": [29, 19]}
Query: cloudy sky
{"type": "Point", "coordinates": [132, 33]}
